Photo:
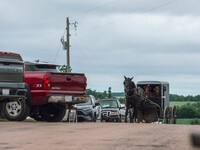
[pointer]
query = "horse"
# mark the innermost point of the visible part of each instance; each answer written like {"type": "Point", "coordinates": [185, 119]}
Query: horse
{"type": "Point", "coordinates": [135, 97]}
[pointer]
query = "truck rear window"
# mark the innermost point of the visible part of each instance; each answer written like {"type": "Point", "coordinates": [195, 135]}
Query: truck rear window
{"type": "Point", "coordinates": [10, 57]}
{"type": "Point", "coordinates": [41, 67]}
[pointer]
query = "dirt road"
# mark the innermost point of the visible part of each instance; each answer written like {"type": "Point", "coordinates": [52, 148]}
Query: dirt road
{"type": "Point", "coordinates": [94, 136]}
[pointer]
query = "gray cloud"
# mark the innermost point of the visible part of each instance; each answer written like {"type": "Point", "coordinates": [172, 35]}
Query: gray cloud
{"type": "Point", "coordinates": [115, 38]}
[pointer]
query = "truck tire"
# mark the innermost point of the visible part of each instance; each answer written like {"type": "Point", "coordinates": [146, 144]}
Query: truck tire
{"type": "Point", "coordinates": [15, 110]}
{"type": "Point", "coordinates": [94, 119]}
{"type": "Point", "coordinates": [37, 117]}
{"type": "Point", "coordinates": [26, 113]}
{"type": "Point", "coordinates": [119, 119]}
{"type": "Point", "coordinates": [2, 116]}
{"type": "Point", "coordinates": [28, 104]}
{"type": "Point", "coordinates": [53, 113]}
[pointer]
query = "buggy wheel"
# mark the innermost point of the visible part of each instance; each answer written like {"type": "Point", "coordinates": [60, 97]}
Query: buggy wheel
{"type": "Point", "coordinates": [166, 115]}
{"type": "Point", "coordinates": [174, 114]}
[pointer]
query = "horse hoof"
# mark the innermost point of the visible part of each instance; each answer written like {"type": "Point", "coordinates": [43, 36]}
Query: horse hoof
{"type": "Point", "coordinates": [143, 121]}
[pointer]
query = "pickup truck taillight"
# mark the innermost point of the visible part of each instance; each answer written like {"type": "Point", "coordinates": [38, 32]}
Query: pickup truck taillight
{"type": "Point", "coordinates": [85, 83]}
{"type": "Point", "coordinates": [47, 82]}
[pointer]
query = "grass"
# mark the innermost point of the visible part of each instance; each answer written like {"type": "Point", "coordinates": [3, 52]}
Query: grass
{"type": "Point", "coordinates": [27, 120]}
{"type": "Point", "coordinates": [180, 103]}
{"type": "Point", "coordinates": [186, 121]}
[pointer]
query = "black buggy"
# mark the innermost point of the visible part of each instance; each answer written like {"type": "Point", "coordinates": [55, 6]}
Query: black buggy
{"type": "Point", "coordinates": [158, 92]}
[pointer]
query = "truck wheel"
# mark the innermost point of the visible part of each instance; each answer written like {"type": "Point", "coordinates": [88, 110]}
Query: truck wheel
{"type": "Point", "coordinates": [94, 119]}
{"type": "Point", "coordinates": [1, 112]}
{"type": "Point", "coordinates": [15, 110]}
{"type": "Point", "coordinates": [36, 117]}
{"type": "Point", "coordinates": [26, 113]}
{"type": "Point", "coordinates": [120, 119]}
{"type": "Point", "coordinates": [53, 113]}
{"type": "Point", "coordinates": [28, 104]}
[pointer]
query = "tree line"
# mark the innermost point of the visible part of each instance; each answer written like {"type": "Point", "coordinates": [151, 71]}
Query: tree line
{"type": "Point", "coordinates": [121, 96]}
{"type": "Point", "coordinates": [99, 95]}
{"type": "Point", "coordinates": [174, 97]}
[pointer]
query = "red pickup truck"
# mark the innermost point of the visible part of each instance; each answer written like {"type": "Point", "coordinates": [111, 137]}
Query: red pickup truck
{"type": "Point", "coordinates": [51, 91]}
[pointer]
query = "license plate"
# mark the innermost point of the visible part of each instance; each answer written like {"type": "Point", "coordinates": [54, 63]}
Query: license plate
{"type": "Point", "coordinates": [68, 98]}
{"type": "Point", "coordinates": [5, 91]}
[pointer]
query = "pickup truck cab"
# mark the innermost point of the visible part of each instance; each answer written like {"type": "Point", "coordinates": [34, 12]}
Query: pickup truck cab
{"type": "Point", "coordinates": [52, 91]}
{"type": "Point", "coordinates": [14, 105]}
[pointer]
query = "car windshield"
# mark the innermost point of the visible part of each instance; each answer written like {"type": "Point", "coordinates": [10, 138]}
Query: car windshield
{"type": "Point", "coordinates": [85, 104]}
{"type": "Point", "coordinates": [109, 104]}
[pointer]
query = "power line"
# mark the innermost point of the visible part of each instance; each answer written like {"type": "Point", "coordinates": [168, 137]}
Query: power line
{"type": "Point", "coordinates": [142, 11]}
{"type": "Point", "coordinates": [92, 9]}
{"type": "Point", "coordinates": [58, 49]}
{"type": "Point", "coordinates": [88, 60]}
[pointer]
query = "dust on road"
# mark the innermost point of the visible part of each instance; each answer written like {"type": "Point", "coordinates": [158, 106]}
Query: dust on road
{"type": "Point", "coordinates": [94, 136]}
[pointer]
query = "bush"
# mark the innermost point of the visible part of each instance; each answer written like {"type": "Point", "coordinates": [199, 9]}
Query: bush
{"type": "Point", "coordinates": [194, 121]}
{"type": "Point", "coordinates": [188, 111]}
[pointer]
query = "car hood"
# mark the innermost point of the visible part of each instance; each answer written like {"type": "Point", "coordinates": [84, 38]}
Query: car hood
{"type": "Point", "coordinates": [88, 107]}
{"type": "Point", "coordinates": [109, 109]}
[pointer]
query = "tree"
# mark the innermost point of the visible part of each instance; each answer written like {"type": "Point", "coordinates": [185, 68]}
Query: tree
{"type": "Point", "coordinates": [122, 100]}
{"type": "Point", "coordinates": [105, 94]}
{"type": "Point", "coordinates": [63, 68]}
{"type": "Point", "coordinates": [109, 92]}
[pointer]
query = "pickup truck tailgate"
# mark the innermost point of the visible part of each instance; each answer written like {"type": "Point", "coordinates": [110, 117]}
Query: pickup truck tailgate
{"type": "Point", "coordinates": [68, 81]}
{"type": "Point", "coordinates": [11, 71]}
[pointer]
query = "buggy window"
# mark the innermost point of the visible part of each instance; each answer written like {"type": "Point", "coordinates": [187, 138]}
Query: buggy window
{"type": "Point", "coordinates": [151, 91]}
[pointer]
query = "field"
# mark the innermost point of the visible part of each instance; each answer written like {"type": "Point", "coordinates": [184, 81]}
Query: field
{"type": "Point", "coordinates": [180, 103]}
{"type": "Point", "coordinates": [186, 121]}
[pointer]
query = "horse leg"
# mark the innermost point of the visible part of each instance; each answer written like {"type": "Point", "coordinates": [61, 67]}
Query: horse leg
{"type": "Point", "coordinates": [135, 113]}
{"type": "Point", "coordinates": [127, 108]}
{"type": "Point", "coordinates": [142, 107]}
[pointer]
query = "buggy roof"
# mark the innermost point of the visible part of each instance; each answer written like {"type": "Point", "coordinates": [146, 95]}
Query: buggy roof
{"type": "Point", "coordinates": [152, 82]}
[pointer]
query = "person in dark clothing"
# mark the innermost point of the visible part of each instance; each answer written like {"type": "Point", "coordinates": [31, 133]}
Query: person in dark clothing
{"type": "Point", "coordinates": [147, 89]}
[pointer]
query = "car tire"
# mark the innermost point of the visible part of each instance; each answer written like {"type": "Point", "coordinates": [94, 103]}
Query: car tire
{"type": "Point", "coordinates": [15, 110]}
{"type": "Point", "coordinates": [94, 119]}
{"type": "Point", "coordinates": [53, 113]}
{"type": "Point", "coordinates": [119, 119]}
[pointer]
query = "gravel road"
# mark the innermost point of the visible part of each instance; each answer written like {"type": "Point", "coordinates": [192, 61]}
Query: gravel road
{"type": "Point", "coordinates": [94, 136]}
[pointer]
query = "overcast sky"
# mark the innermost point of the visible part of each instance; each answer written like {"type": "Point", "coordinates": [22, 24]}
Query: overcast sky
{"type": "Point", "coordinates": [150, 40]}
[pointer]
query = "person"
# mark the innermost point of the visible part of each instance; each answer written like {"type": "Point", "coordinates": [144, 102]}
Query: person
{"type": "Point", "coordinates": [147, 89]}
{"type": "Point", "coordinates": [156, 92]}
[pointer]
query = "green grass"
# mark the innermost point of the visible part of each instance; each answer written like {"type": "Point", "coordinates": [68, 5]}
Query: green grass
{"type": "Point", "coordinates": [186, 121]}
{"type": "Point", "coordinates": [27, 120]}
{"type": "Point", "coordinates": [180, 103]}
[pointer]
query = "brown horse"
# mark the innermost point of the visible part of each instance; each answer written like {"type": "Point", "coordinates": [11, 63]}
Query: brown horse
{"type": "Point", "coordinates": [135, 97]}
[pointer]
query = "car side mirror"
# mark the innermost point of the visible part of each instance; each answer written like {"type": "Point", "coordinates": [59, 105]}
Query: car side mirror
{"type": "Point", "coordinates": [97, 103]}
{"type": "Point", "coordinates": [121, 107]}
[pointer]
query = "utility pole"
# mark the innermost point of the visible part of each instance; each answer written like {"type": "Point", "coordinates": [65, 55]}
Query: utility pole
{"type": "Point", "coordinates": [68, 54]}
{"type": "Point", "coordinates": [66, 44]}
